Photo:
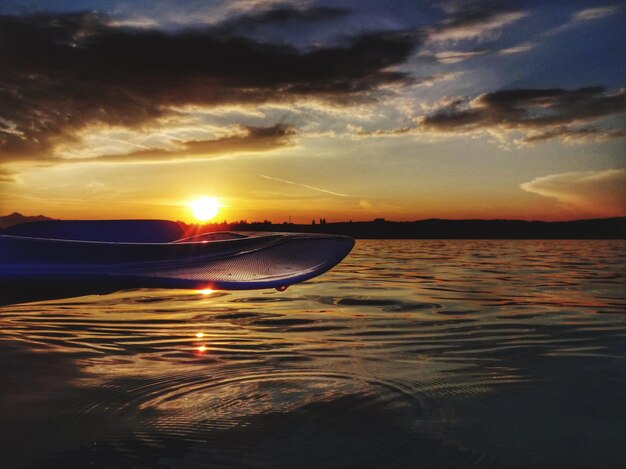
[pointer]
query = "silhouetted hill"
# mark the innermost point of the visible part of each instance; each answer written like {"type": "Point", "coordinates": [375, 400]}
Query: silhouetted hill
{"type": "Point", "coordinates": [604, 228]}
{"type": "Point", "coordinates": [601, 228]}
{"type": "Point", "coordinates": [17, 218]}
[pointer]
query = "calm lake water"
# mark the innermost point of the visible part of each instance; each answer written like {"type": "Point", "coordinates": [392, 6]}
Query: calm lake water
{"type": "Point", "coordinates": [422, 353]}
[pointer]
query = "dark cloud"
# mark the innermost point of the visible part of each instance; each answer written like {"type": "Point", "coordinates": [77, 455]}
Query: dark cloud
{"type": "Point", "coordinates": [540, 113]}
{"type": "Point", "coordinates": [281, 16]}
{"type": "Point", "coordinates": [253, 139]}
{"type": "Point", "coordinates": [61, 73]}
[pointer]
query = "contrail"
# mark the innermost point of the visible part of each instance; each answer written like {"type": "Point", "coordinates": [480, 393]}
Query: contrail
{"type": "Point", "coordinates": [130, 143]}
{"type": "Point", "coordinates": [305, 185]}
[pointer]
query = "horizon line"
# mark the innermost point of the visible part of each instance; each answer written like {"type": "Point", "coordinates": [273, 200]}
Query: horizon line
{"type": "Point", "coordinates": [374, 220]}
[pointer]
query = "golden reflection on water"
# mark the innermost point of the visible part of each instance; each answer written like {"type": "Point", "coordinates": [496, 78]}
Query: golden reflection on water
{"type": "Point", "coordinates": [453, 353]}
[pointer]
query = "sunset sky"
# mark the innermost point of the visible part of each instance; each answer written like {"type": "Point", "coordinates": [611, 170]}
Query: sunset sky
{"type": "Point", "coordinates": [402, 109]}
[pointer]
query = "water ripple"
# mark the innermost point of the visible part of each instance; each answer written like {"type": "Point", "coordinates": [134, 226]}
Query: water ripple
{"type": "Point", "coordinates": [450, 353]}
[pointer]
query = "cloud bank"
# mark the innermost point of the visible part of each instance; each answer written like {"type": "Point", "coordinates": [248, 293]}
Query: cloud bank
{"type": "Point", "coordinates": [538, 114]}
{"type": "Point", "coordinates": [62, 73]}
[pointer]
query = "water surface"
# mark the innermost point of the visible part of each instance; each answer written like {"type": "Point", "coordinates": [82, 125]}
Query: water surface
{"type": "Point", "coordinates": [420, 353]}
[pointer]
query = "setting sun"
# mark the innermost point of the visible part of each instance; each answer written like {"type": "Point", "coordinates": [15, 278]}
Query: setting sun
{"type": "Point", "coordinates": [205, 208]}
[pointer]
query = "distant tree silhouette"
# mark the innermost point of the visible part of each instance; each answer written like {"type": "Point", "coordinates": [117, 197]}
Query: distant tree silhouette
{"type": "Point", "coordinates": [312, 222]}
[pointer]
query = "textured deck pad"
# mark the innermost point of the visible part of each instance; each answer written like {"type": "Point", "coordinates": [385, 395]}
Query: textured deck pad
{"type": "Point", "coordinates": [282, 263]}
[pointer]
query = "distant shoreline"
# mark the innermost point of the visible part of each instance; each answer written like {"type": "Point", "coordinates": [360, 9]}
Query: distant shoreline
{"type": "Point", "coordinates": [601, 228]}
{"type": "Point", "coordinates": [605, 228]}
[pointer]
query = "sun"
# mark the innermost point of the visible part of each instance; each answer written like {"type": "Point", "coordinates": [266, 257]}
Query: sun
{"type": "Point", "coordinates": [205, 208]}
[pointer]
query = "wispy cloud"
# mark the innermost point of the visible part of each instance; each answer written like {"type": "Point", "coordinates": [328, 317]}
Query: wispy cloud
{"type": "Point", "coordinates": [455, 56]}
{"type": "Point", "coordinates": [193, 13]}
{"type": "Point", "coordinates": [250, 139]}
{"type": "Point", "coordinates": [595, 13]}
{"type": "Point", "coordinates": [584, 16]}
{"type": "Point", "coordinates": [601, 193]}
{"type": "Point", "coordinates": [318, 189]}
{"type": "Point", "coordinates": [473, 23]}
{"type": "Point", "coordinates": [518, 49]}
{"type": "Point", "coordinates": [6, 175]}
